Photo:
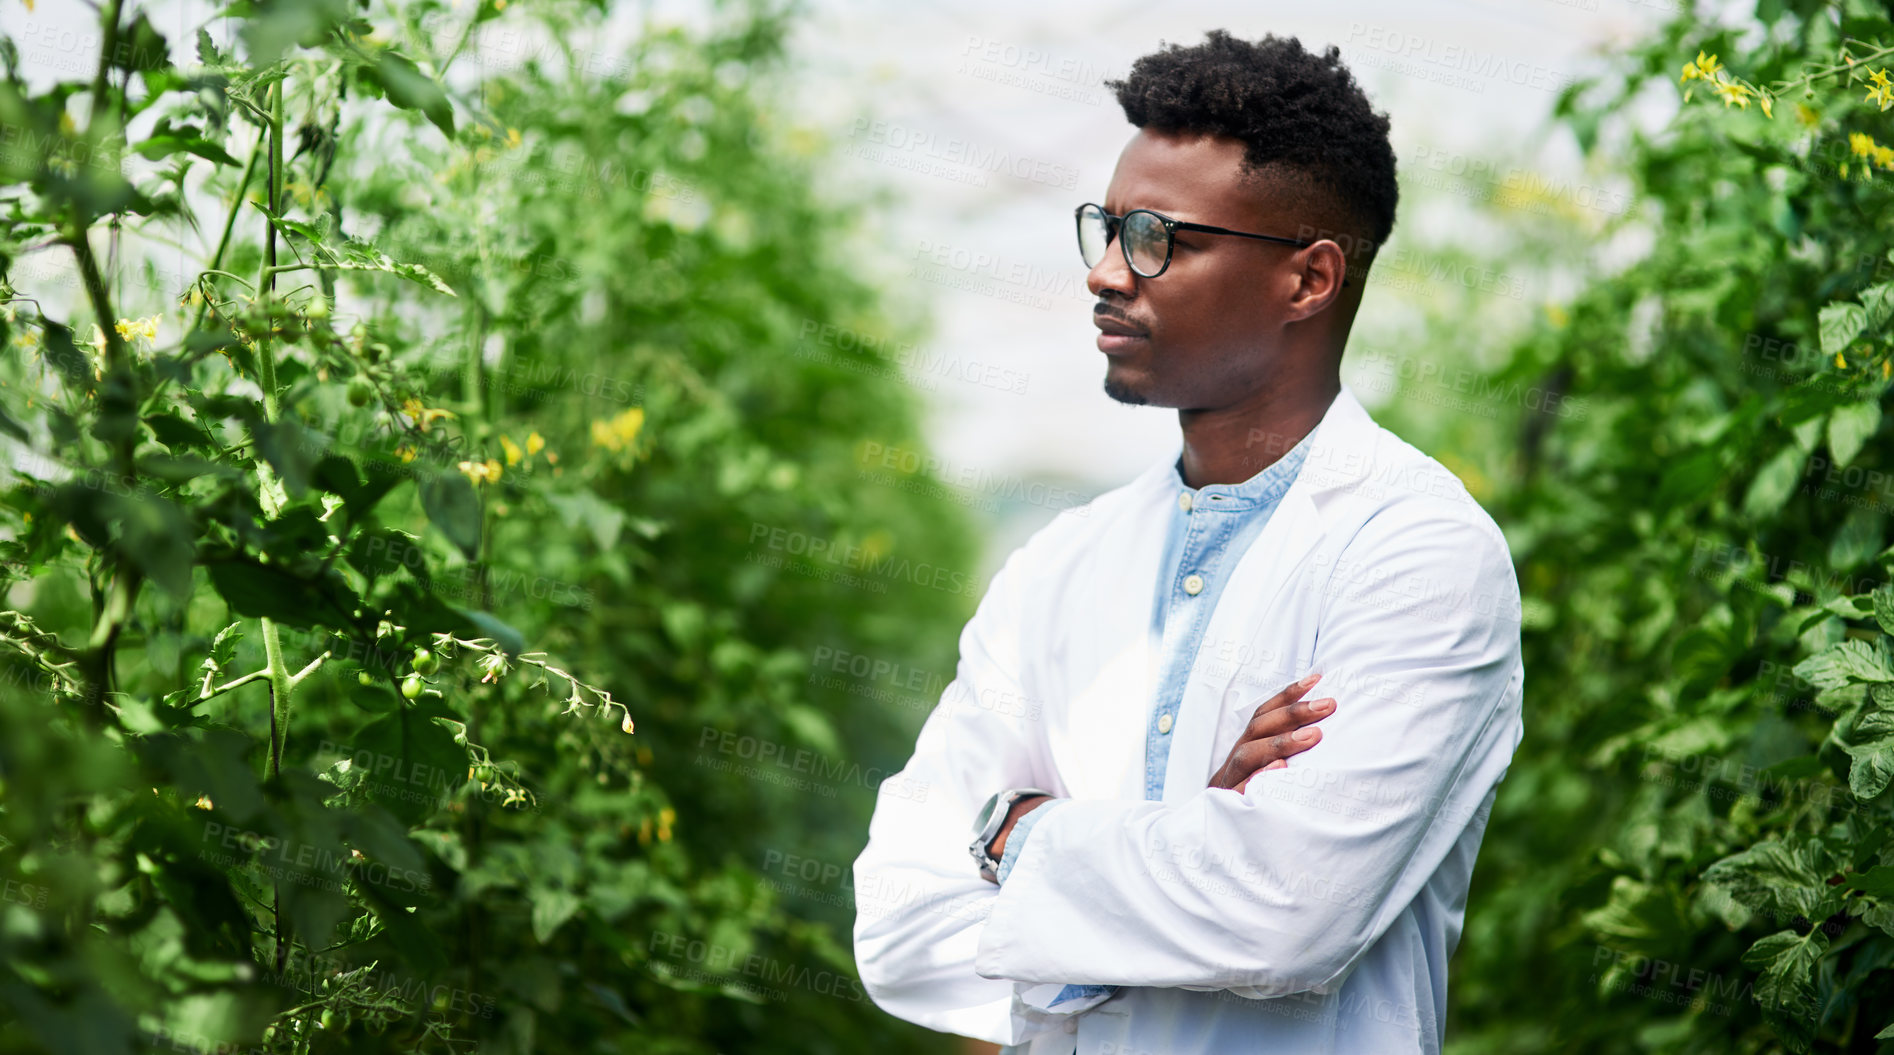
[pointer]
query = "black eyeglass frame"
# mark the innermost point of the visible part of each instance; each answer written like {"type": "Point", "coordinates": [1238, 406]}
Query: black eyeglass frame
{"type": "Point", "coordinates": [1114, 225]}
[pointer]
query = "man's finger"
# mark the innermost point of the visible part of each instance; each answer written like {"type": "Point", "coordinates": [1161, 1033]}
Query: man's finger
{"type": "Point", "coordinates": [1294, 716]}
{"type": "Point", "coordinates": [1290, 693]}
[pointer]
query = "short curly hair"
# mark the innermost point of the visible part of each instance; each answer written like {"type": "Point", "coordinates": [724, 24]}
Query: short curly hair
{"type": "Point", "coordinates": [1292, 108]}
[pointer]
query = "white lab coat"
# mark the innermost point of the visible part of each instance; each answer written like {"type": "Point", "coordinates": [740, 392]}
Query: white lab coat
{"type": "Point", "coordinates": [1313, 913]}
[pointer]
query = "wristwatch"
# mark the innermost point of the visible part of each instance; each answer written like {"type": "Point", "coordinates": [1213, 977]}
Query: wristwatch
{"type": "Point", "coordinates": [986, 828]}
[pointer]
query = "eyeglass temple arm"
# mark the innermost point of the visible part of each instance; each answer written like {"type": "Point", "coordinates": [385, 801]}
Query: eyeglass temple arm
{"type": "Point", "coordinates": [1183, 225]}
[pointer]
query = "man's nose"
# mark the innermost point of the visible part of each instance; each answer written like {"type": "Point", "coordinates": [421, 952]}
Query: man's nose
{"type": "Point", "coordinates": [1112, 273]}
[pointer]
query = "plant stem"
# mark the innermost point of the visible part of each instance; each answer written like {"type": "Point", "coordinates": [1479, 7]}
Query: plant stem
{"type": "Point", "coordinates": [266, 281]}
{"type": "Point", "coordinates": [125, 578]}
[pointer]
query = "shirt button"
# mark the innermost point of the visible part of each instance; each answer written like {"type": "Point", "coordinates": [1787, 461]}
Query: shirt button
{"type": "Point", "coordinates": [1193, 584]}
{"type": "Point", "coordinates": [1183, 501]}
{"type": "Point", "coordinates": [1164, 723]}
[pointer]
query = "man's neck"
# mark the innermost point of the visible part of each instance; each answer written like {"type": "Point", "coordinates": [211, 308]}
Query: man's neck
{"type": "Point", "coordinates": [1231, 444]}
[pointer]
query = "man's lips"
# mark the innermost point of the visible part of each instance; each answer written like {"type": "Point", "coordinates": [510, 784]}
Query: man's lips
{"type": "Point", "coordinates": [1116, 335]}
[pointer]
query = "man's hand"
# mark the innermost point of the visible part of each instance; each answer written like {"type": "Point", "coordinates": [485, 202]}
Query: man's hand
{"type": "Point", "coordinates": [1013, 814]}
{"type": "Point", "coordinates": [1284, 725]}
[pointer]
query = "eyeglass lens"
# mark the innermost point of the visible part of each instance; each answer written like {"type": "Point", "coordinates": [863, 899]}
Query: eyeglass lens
{"type": "Point", "coordinates": [1144, 235]}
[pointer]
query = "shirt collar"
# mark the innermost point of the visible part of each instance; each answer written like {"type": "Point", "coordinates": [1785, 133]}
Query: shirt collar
{"type": "Point", "coordinates": [1262, 489]}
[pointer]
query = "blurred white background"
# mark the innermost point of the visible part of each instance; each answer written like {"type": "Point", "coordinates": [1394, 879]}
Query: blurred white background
{"type": "Point", "coordinates": [992, 121]}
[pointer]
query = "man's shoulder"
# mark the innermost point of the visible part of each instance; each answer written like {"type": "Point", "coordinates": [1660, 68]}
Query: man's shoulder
{"type": "Point", "coordinates": [1401, 487]}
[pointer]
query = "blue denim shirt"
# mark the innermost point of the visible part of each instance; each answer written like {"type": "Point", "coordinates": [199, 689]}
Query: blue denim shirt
{"type": "Point", "coordinates": [1211, 528]}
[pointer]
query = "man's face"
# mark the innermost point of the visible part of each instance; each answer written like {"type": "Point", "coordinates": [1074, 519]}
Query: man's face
{"type": "Point", "coordinates": [1209, 326]}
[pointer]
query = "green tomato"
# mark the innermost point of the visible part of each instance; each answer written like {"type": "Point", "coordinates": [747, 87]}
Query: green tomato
{"type": "Point", "coordinates": [411, 687]}
{"type": "Point", "coordinates": [364, 677]}
{"type": "Point", "coordinates": [425, 662]}
{"type": "Point", "coordinates": [318, 308]}
{"type": "Point", "coordinates": [361, 390]}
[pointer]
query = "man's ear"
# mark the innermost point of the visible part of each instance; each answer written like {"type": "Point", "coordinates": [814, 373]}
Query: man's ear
{"type": "Point", "coordinates": [1324, 271]}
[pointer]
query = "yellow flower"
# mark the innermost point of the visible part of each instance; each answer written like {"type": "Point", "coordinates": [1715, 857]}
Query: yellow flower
{"type": "Point", "coordinates": [1884, 95]}
{"type": "Point", "coordinates": [534, 443]}
{"type": "Point", "coordinates": [405, 453]}
{"type": "Point", "coordinates": [1733, 93]}
{"type": "Point", "coordinates": [1884, 157]}
{"type": "Point", "coordinates": [620, 432]}
{"type": "Point", "coordinates": [481, 472]}
{"type": "Point", "coordinates": [512, 449]}
{"type": "Point", "coordinates": [204, 803]}
{"type": "Point", "coordinates": [1840, 363]}
{"type": "Point", "coordinates": [423, 416]}
{"type": "Point", "coordinates": [1766, 111]}
{"type": "Point", "coordinates": [1861, 143]}
{"type": "Point", "coordinates": [146, 328]}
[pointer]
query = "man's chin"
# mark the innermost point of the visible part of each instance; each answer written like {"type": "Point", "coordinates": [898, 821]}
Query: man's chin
{"type": "Point", "coordinates": [1124, 393]}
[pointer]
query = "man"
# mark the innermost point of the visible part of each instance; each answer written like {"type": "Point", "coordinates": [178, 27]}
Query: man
{"type": "Point", "coordinates": [1151, 872]}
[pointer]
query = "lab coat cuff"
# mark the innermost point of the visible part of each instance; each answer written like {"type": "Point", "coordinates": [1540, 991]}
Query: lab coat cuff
{"type": "Point", "coordinates": [1017, 839]}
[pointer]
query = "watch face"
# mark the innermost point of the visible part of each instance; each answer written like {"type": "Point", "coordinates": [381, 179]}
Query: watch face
{"type": "Point", "coordinates": [986, 814]}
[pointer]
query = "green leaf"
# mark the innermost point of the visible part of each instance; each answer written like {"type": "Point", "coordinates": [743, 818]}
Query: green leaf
{"type": "Point", "coordinates": [1871, 746]}
{"type": "Point", "coordinates": [74, 366]}
{"type": "Point", "coordinates": [1847, 661]}
{"type": "Point", "coordinates": [266, 591]}
{"type": "Point", "coordinates": [410, 89]}
{"type": "Point", "coordinates": [1849, 427]}
{"type": "Point", "coordinates": [1841, 322]}
{"type": "Point", "coordinates": [1774, 483]}
{"type": "Point", "coordinates": [407, 763]}
{"type": "Point", "coordinates": [157, 538]}
{"type": "Point", "coordinates": [1879, 303]}
{"type": "Point", "coordinates": [1876, 882]}
{"type": "Point", "coordinates": [291, 450]}
{"type": "Point", "coordinates": [223, 648]}
{"type": "Point", "coordinates": [453, 507]}
{"type": "Point", "coordinates": [175, 432]}
{"type": "Point", "coordinates": [1774, 878]}
{"type": "Point", "coordinates": [1857, 540]}
{"type": "Point", "coordinates": [1884, 606]}
{"type": "Point", "coordinates": [552, 907]}
{"type": "Point", "coordinates": [1787, 988]}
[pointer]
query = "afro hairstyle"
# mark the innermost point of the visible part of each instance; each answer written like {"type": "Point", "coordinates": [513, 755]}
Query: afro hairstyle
{"type": "Point", "coordinates": [1294, 110]}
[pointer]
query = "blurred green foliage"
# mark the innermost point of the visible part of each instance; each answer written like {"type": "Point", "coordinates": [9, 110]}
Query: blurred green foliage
{"type": "Point", "coordinates": [413, 611]}
{"type": "Point", "coordinates": [1691, 852]}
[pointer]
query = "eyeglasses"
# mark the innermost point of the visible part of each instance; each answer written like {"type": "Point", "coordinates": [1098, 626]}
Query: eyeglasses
{"type": "Point", "coordinates": [1146, 238]}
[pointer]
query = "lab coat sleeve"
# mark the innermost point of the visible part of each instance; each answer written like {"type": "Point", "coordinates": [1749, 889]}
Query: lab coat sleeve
{"type": "Point", "coordinates": [920, 901]}
{"type": "Point", "coordinates": [1281, 889]}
